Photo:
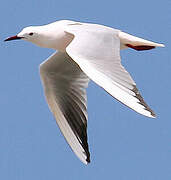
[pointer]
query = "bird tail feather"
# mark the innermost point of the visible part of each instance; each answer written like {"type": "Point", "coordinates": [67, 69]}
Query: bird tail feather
{"type": "Point", "coordinates": [139, 44]}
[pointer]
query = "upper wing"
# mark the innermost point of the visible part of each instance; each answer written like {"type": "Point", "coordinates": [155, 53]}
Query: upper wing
{"type": "Point", "coordinates": [96, 49]}
{"type": "Point", "coordinates": [64, 85]}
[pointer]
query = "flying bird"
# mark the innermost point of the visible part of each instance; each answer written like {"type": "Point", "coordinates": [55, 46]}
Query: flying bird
{"type": "Point", "coordinates": [84, 51]}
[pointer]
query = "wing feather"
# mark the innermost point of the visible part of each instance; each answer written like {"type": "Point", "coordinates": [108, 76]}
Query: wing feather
{"type": "Point", "coordinates": [64, 85]}
{"type": "Point", "coordinates": [96, 49]}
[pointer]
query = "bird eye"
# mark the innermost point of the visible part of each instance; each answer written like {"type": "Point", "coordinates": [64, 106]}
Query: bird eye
{"type": "Point", "coordinates": [31, 34]}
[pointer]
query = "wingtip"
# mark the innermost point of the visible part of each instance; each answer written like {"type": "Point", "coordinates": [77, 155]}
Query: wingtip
{"type": "Point", "coordinates": [153, 115]}
{"type": "Point", "coordinates": [147, 110]}
{"type": "Point", "coordinates": [86, 161]}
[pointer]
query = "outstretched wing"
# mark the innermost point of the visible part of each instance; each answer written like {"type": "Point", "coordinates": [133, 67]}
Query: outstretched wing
{"type": "Point", "coordinates": [65, 85]}
{"type": "Point", "coordinates": [96, 49]}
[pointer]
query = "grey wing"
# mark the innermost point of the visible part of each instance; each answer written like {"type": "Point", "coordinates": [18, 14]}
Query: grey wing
{"type": "Point", "coordinates": [65, 85]}
{"type": "Point", "coordinates": [96, 49]}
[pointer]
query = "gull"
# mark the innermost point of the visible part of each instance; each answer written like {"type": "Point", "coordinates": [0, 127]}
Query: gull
{"type": "Point", "coordinates": [84, 52]}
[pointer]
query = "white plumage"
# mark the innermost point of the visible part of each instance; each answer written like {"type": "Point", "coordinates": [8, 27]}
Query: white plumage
{"type": "Point", "coordinates": [84, 51]}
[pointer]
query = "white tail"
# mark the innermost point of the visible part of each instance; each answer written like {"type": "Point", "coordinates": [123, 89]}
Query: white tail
{"type": "Point", "coordinates": [136, 43]}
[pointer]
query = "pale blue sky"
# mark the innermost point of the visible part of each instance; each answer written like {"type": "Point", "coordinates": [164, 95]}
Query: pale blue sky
{"type": "Point", "coordinates": [123, 144]}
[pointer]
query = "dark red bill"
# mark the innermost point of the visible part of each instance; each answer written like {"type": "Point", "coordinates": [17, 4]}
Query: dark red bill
{"type": "Point", "coordinates": [13, 38]}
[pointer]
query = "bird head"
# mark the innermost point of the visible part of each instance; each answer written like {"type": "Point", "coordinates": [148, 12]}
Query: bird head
{"type": "Point", "coordinates": [28, 34]}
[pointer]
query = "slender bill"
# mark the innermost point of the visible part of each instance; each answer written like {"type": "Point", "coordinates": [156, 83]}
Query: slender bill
{"type": "Point", "coordinates": [13, 38]}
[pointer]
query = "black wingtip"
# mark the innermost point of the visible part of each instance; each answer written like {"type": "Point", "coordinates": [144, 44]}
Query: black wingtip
{"type": "Point", "coordinates": [88, 159]}
{"type": "Point", "coordinates": [142, 102]}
